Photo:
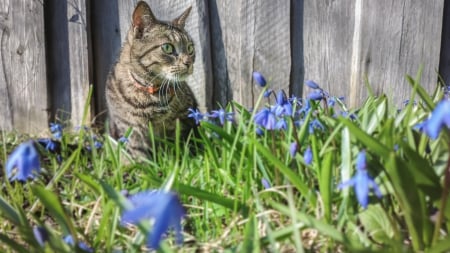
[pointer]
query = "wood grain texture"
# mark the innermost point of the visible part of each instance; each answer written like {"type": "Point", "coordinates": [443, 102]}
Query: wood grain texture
{"type": "Point", "coordinates": [327, 37]}
{"type": "Point", "coordinates": [395, 39]}
{"type": "Point", "coordinates": [23, 82]}
{"type": "Point", "coordinates": [68, 58]}
{"type": "Point", "coordinates": [249, 36]}
{"type": "Point", "coordinates": [297, 76]}
{"type": "Point", "coordinates": [106, 43]}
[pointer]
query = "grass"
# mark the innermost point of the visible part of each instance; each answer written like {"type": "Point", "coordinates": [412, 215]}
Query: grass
{"type": "Point", "coordinates": [228, 207]}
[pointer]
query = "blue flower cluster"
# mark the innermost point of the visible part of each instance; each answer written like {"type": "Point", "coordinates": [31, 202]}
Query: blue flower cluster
{"type": "Point", "coordinates": [217, 116]}
{"type": "Point", "coordinates": [277, 116]}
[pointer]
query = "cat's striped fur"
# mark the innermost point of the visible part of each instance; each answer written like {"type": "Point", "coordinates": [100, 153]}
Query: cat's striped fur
{"type": "Point", "coordinates": [147, 84]}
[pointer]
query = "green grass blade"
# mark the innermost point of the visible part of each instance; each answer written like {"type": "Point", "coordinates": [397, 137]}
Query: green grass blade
{"type": "Point", "coordinates": [287, 172]}
{"type": "Point", "coordinates": [9, 212]}
{"type": "Point", "coordinates": [50, 201]}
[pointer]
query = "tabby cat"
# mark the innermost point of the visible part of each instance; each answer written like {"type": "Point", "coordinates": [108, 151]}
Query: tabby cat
{"type": "Point", "coordinates": [147, 85]}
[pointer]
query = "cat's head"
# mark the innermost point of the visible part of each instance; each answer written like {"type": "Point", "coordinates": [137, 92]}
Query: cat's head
{"type": "Point", "coordinates": [160, 51]}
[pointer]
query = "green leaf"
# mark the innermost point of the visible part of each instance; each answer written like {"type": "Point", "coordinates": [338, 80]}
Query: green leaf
{"type": "Point", "coordinates": [326, 183]}
{"type": "Point", "coordinates": [376, 223]}
{"type": "Point", "coordinates": [306, 220]}
{"type": "Point", "coordinates": [346, 157]}
{"type": "Point", "coordinates": [9, 212]}
{"type": "Point", "coordinates": [424, 175]}
{"type": "Point", "coordinates": [50, 201]}
{"type": "Point", "coordinates": [208, 196]}
{"type": "Point", "coordinates": [370, 142]}
{"type": "Point", "coordinates": [251, 238]}
{"type": "Point", "coordinates": [411, 202]}
{"type": "Point", "coordinates": [288, 173]}
{"type": "Point", "coordinates": [88, 180]}
{"type": "Point", "coordinates": [12, 244]}
{"type": "Point", "coordinates": [440, 246]}
{"type": "Point", "coordinates": [415, 83]}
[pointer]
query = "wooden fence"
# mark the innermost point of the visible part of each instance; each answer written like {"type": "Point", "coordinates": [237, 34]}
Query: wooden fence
{"type": "Point", "coordinates": [51, 50]}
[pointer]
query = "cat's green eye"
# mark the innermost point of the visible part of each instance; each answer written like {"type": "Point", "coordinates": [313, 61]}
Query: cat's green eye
{"type": "Point", "coordinates": [190, 49]}
{"type": "Point", "coordinates": [167, 48]}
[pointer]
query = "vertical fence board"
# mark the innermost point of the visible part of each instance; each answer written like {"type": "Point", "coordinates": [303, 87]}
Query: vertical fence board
{"type": "Point", "coordinates": [253, 36]}
{"type": "Point", "coordinates": [67, 58]}
{"type": "Point", "coordinates": [327, 35]}
{"type": "Point", "coordinates": [396, 38]}
{"type": "Point", "coordinates": [105, 27]}
{"type": "Point", "coordinates": [23, 83]}
{"type": "Point", "coordinates": [297, 54]}
{"type": "Point", "coordinates": [339, 44]}
{"type": "Point", "coordinates": [79, 58]}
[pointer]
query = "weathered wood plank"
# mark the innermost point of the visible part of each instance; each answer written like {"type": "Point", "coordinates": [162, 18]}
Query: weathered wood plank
{"type": "Point", "coordinates": [79, 58]}
{"type": "Point", "coordinates": [106, 43]}
{"type": "Point", "coordinates": [396, 38]}
{"type": "Point", "coordinates": [297, 76]}
{"type": "Point", "coordinates": [68, 58]}
{"type": "Point", "coordinates": [23, 89]}
{"type": "Point", "coordinates": [249, 36]}
{"type": "Point", "coordinates": [327, 37]}
{"type": "Point", "coordinates": [111, 21]}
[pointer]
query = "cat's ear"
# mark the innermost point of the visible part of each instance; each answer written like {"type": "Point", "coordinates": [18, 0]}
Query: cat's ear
{"type": "Point", "coordinates": [142, 17]}
{"type": "Point", "coordinates": [181, 20]}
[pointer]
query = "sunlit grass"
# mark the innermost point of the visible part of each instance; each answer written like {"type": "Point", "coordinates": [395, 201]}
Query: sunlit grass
{"type": "Point", "coordinates": [219, 177]}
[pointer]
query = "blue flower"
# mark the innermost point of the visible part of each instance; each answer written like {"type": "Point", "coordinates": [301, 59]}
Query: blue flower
{"type": "Point", "coordinates": [97, 144]}
{"type": "Point", "coordinates": [266, 183]}
{"type": "Point", "coordinates": [81, 245]}
{"type": "Point", "coordinates": [315, 124]}
{"type": "Point", "coordinates": [23, 163]}
{"type": "Point", "coordinates": [123, 140]}
{"type": "Point", "coordinates": [305, 108]}
{"type": "Point", "coordinates": [311, 84]}
{"type": "Point", "coordinates": [308, 156]}
{"type": "Point", "coordinates": [41, 235]}
{"type": "Point", "coordinates": [293, 148]}
{"type": "Point", "coordinates": [267, 93]}
{"type": "Point", "coordinates": [281, 124]}
{"type": "Point", "coordinates": [362, 182]}
{"type": "Point", "coordinates": [259, 78]}
{"type": "Point", "coordinates": [56, 130]}
{"type": "Point", "coordinates": [439, 117]}
{"type": "Point", "coordinates": [266, 119]}
{"type": "Point", "coordinates": [259, 131]}
{"type": "Point", "coordinates": [315, 95]}
{"type": "Point", "coordinates": [196, 115]}
{"type": "Point", "coordinates": [283, 107]}
{"type": "Point", "coordinates": [222, 116]}
{"type": "Point", "coordinates": [49, 144]}
{"type": "Point", "coordinates": [164, 208]}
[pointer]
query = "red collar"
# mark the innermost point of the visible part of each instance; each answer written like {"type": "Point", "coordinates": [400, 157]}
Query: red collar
{"type": "Point", "coordinates": [152, 90]}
